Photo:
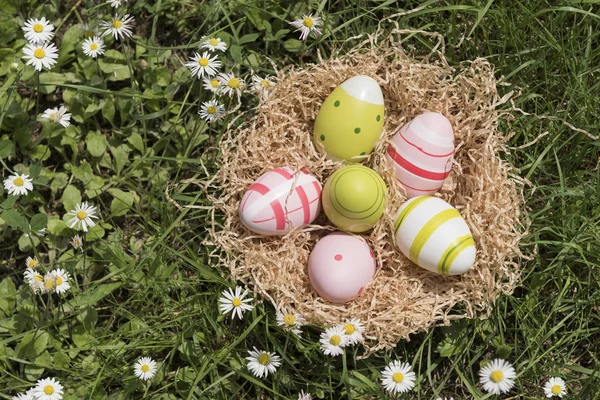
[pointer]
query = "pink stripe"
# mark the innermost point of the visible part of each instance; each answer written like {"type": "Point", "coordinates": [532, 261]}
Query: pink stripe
{"type": "Point", "coordinates": [414, 188]}
{"type": "Point", "coordinates": [289, 213]}
{"type": "Point", "coordinates": [423, 151]}
{"type": "Point", "coordinates": [260, 188]}
{"type": "Point", "coordinates": [279, 215]}
{"type": "Point", "coordinates": [404, 163]}
{"type": "Point", "coordinates": [317, 188]}
{"type": "Point", "coordinates": [283, 173]}
{"type": "Point", "coordinates": [305, 205]}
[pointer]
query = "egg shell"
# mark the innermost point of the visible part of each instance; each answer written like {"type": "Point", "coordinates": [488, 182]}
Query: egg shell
{"type": "Point", "coordinates": [351, 119]}
{"type": "Point", "coordinates": [421, 153]}
{"type": "Point", "coordinates": [354, 198]}
{"type": "Point", "coordinates": [280, 200]}
{"type": "Point", "coordinates": [340, 266]}
{"type": "Point", "coordinates": [434, 236]}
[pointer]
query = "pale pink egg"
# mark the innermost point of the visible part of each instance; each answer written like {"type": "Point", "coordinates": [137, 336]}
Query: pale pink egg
{"type": "Point", "coordinates": [340, 267]}
{"type": "Point", "coordinates": [421, 153]}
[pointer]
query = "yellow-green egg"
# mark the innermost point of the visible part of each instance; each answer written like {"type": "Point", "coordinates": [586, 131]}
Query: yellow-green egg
{"type": "Point", "coordinates": [354, 198]}
{"type": "Point", "coordinates": [351, 119]}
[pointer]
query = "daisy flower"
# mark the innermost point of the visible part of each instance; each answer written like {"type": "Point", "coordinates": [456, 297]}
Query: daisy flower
{"type": "Point", "coordinates": [40, 55]}
{"type": "Point", "coordinates": [290, 322]}
{"type": "Point", "coordinates": [204, 64]}
{"type": "Point", "coordinates": [38, 31]}
{"type": "Point", "coordinates": [211, 84]}
{"type": "Point", "coordinates": [57, 115]}
{"type": "Point", "coordinates": [118, 27]}
{"type": "Point", "coordinates": [211, 110]}
{"type": "Point", "coordinates": [93, 47]}
{"type": "Point", "coordinates": [35, 280]}
{"type": "Point", "coordinates": [445, 398]}
{"type": "Point", "coordinates": [61, 280]}
{"type": "Point", "coordinates": [333, 340]}
{"type": "Point", "coordinates": [116, 3]}
{"type": "Point", "coordinates": [230, 84]}
{"type": "Point", "coordinates": [306, 25]}
{"type": "Point", "coordinates": [77, 242]}
{"type": "Point", "coordinates": [32, 263]}
{"type": "Point", "coordinates": [555, 387]}
{"type": "Point", "coordinates": [303, 396]}
{"type": "Point", "coordinates": [235, 301]}
{"type": "Point", "coordinates": [353, 329]}
{"type": "Point", "coordinates": [41, 233]}
{"type": "Point", "coordinates": [88, 31]}
{"type": "Point", "coordinates": [260, 84]}
{"type": "Point", "coordinates": [145, 368]}
{"type": "Point", "coordinates": [497, 377]}
{"type": "Point", "coordinates": [214, 44]}
{"type": "Point", "coordinates": [25, 396]}
{"type": "Point", "coordinates": [82, 216]}
{"type": "Point", "coordinates": [398, 377]}
{"type": "Point", "coordinates": [262, 363]}
{"type": "Point", "coordinates": [48, 389]}
{"type": "Point", "coordinates": [18, 184]}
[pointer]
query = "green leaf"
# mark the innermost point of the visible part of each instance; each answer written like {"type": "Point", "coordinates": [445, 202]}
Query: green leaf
{"type": "Point", "coordinates": [6, 148]}
{"type": "Point", "coordinates": [35, 169]}
{"type": "Point", "coordinates": [96, 143]}
{"type": "Point", "coordinates": [32, 344]}
{"type": "Point", "coordinates": [8, 299]}
{"type": "Point", "coordinates": [236, 53]}
{"type": "Point", "coordinates": [121, 158]}
{"type": "Point", "coordinates": [14, 219]}
{"type": "Point", "coordinates": [83, 172]}
{"type": "Point", "coordinates": [59, 181]}
{"type": "Point", "coordinates": [27, 242]}
{"type": "Point", "coordinates": [71, 197]}
{"type": "Point", "coordinates": [92, 295]}
{"type": "Point", "coordinates": [503, 351]}
{"type": "Point", "coordinates": [88, 317]}
{"type": "Point", "coordinates": [108, 110]}
{"type": "Point", "coordinates": [94, 233]}
{"type": "Point", "coordinates": [121, 203]}
{"type": "Point", "coordinates": [249, 38]}
{"type": "Point", "coordinates": [292, 45]}
{"type": "Point", "coordinates": [57, 227]}
{"type": "Point", "coordinates": [38, 222]}
{"type": "Point", "coordinates": [136, 141]}
{"type": "Point", "coordinates": [9, 202]}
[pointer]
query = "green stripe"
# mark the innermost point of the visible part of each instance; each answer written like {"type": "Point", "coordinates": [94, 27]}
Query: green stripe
{"type": "Point", "coordinates": [453, 251]}
{"type": "Point", "coordinates": [427, 230]}
{"type": "Point", "coordinates": [404, 213]}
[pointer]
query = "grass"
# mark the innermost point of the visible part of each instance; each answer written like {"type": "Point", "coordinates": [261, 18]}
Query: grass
{"type": "Point", "coordinates": [144, 285]}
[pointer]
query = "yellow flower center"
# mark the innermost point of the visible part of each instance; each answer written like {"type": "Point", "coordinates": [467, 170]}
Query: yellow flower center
{"type": "Point", "coordinates": [39, 53]}
{"type": "Point", "coordinates": [53, 117]}
{"type": "Point", "coordinates": [213, 42]}
{"type": "Point", "coordinates": [145, 368]}
{"type": "Point", "coordinates": [38, 278]}
{"type": "Point", "coordinates": [556, 390]}
{"type": "Point", "coordinates": [37, 28]}
{"type": "Point", "coordinates": [81, 215]}
{"type": "Point", "coordinates": [264, 359]}
{"type": "Point", "coordinates": [59, 281]}
{"type": "Point", "coordinates": [19, 181]}
{"type": "Point", "coordinates": [308, 22]}
{"type": "Point", "coordinates": [49, 389]}
{"type": "Point", "coordinates": [117, 24]}
{"type": "Point", "coordinates": [497, 376]}
{"type": "Point", "coordinates": [33, 264]}
{"type": "Point", "coordinates": [203, 62]}
{"type": "Point", "coordinates": [233, 83]}
{"type": "Point", "coordinates": [335, 340]}
{"type": "Point", "coordinates": [398, 377]}
{"type": "Point", "coordinates": [265, 83]}
{"type": "Point", "coordinates": [211, 109]}
{"type": "Point", "coordinates": [289, 319]}
{"type": "Point", "coordinates": [214, 83]}
{"type": "Point", "coordinates": [94, 46]}
{"type": "Point", "coordinates": [236, 302]}
{"type": "Point", "coordinates": [349, 328]}
{"type": "Point", "coordinates": [49, 284]}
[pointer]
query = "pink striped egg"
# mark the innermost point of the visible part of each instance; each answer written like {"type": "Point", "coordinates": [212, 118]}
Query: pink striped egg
{"type": "Point", "coordinates": [421, 153]}
{"type": "Point", "coordinates": [280, 200]}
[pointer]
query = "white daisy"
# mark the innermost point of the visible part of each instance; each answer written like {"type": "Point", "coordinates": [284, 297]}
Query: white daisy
{"type": "Point", "coordinates": [260, 84]}
{"type": "Point", "coordinates": [555, 387]}
{"type": "Point", "coordinates": [211, 84]}
{"type": "Point", "coordinates": [35, 280]}
{"type": "Point", "coordinates": [48, 389]}
{"type": "Point", "coordinates": [235, 301]}
{"type": "Point", "coordinates": [445, 398]}
{"type": "Point", "coordinates": [40, 55]}
{"type": "Point", "coordinates": [203, 65]}
{"type": "Point", "coordinates": [333, 340]}
{"type": "Point", "coordinates": [353, 329]}
{"type": "Point", "coordinates": [306, 25]}
{"type": "Point", "coordinates": [290, 322]}
{"type": "Point", "coordinates": [25, 396]}
{"type": "Point", "coordinates": [41, 233]}
{"type": "Point", "coordinates": [49, 282]}
{"type": "Point", "coordinates": [18, 184]}
{"type": "Point", "coordinates": [82, 216]}
{"type": "Point", "coordinates": [57, 115]}
{"type": "Point", "coordinates": [118, 27]}
{"type": "Point", "coordinates": [77, 242]}
{"type": "Point", "coordinates": [230, 84]}
{"type": "Point", "coordinates": [262, 363]}
{"type": "Point", "coordinates": [497, 377]}
{"type": "Point", "coordinates": [211, 110]}
{"type": "Point", "coordinates": [61, 280]}
{"type": "Point", "coordinates": [88, 31]}
{"type": "Point", "coordinates": [93, 47]}
{"type": "Point", "coordinates": [32, 263]}
{"type": "Point", "coordinates": [303, 396]}
{"type": "Point", "coordinates": [116, 3]}
{"type": "Point", "coordinates": [398, 377]}
{"type": "Point", "coordinates": [145, 368]}
{"type": "Point", "coordinates": [38, 31]}
{"type": "Point", "coordinates": [213, 44]}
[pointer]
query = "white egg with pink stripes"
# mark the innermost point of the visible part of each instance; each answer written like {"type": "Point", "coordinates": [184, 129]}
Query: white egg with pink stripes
{"type": "Point", "coordinates": [280, 200]}
{"type": "Point", "coordinates": [421, 153]}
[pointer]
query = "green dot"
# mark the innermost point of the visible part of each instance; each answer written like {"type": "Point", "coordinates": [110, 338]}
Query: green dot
{"type": "Point", "coordinates": [378, 118]}
{"type": "Point", "coordinates": [363, 153]}
{"type": "Point", "coordinates": [322, 137]}
{"type": "Point", "coordinates": [337, 103]}
{"type": "Point", "coordinates": [356, 130]}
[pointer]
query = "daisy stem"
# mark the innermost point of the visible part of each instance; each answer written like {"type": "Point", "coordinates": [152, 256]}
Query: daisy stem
{"type": "Point", "coordinates": [345, 375]}
{"type": "Point", "coordinates": [37, 92]}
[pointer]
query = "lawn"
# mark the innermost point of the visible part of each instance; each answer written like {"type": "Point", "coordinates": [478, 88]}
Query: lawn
{"type": "Point", "coordinates": [142, 283]}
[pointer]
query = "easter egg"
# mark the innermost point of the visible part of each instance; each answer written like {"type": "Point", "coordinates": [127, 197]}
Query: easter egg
{"type": "Point", "coordinates": [421, 153]}
{"type": "Point", "coordinates": [351, 119]}
{"type": "Point", "coordinates": [434, 236]}
{"type": "Point", "coordinates": [280, 200]}
{"type": "Point", "coordinates": [340, 266]}
{"type": "Point", "coordinates": [354, 198]}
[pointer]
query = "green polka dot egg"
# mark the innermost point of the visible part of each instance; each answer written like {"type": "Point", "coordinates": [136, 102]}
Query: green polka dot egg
{"type": "Point", "coordinates": [351, 119]}
{"type": "Point", "coordinates": [354, 198]}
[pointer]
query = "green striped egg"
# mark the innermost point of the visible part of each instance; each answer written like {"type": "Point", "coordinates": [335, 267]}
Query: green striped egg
{"type": "Point", "coordinates": [434, 236]}
{"type": "Point", "coordinates": [354, 198]}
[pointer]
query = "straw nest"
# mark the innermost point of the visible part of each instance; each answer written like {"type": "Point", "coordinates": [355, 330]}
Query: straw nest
{"type": "Point", "coordinates": [402, 298]}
